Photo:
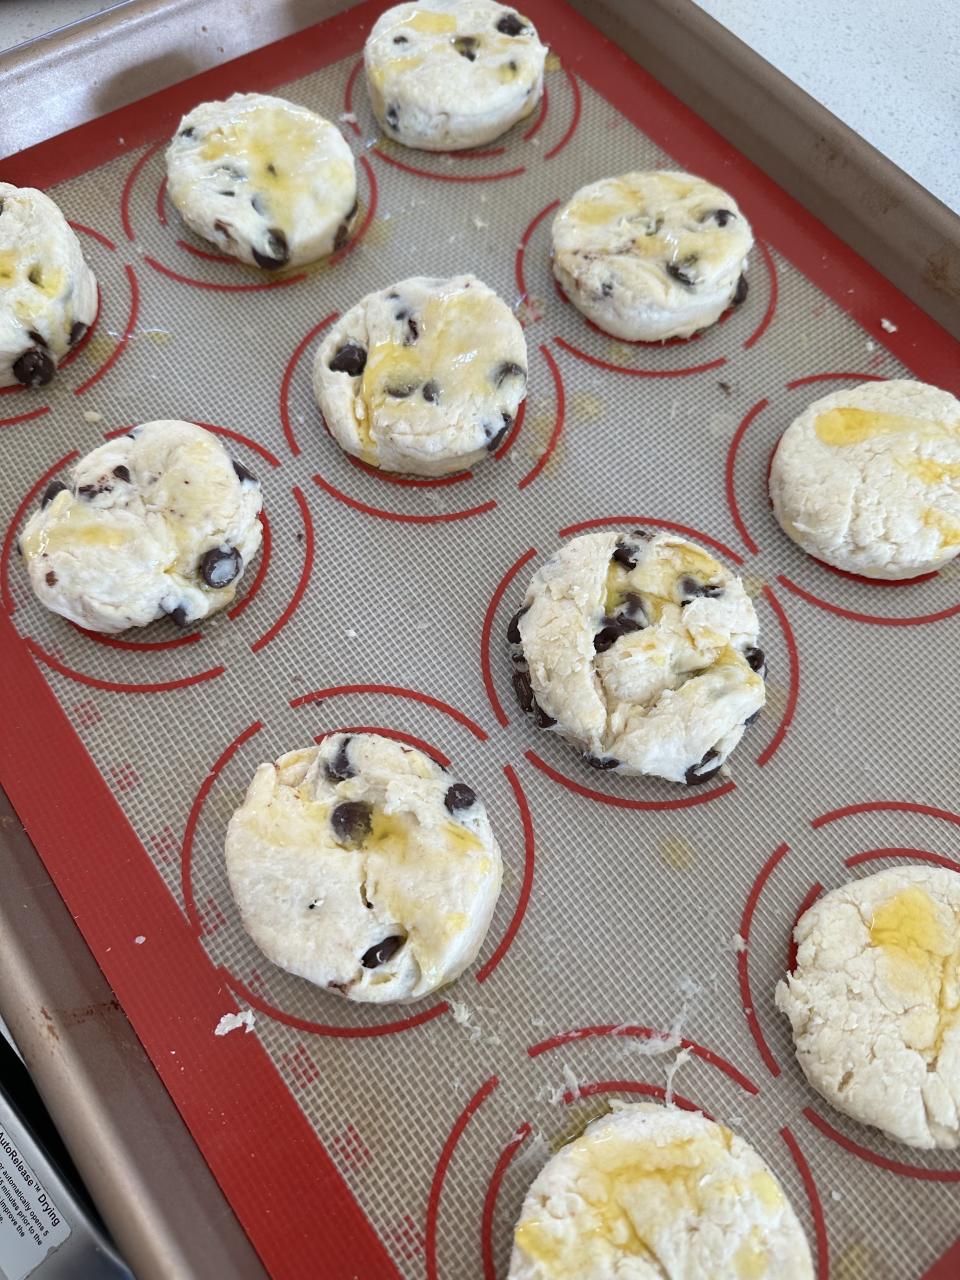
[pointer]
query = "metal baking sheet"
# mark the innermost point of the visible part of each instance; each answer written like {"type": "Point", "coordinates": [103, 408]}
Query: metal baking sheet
{"type": "Point", "coordinates": [393, 1142]}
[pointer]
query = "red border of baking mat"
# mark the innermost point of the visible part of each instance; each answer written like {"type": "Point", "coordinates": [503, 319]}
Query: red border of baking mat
{"type": "Point", "coordinates": [276, 1174]}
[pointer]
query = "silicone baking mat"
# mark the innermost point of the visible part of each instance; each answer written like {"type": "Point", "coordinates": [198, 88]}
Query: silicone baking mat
{"type": "Point", "coordinates": [642, 928]}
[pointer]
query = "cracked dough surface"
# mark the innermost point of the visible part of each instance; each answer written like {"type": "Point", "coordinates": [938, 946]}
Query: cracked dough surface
{"type": "Point", "coordinates": [651, 255]}
{"type": "Point", "coordinates": [48, 294]}
{"type": "Point", "coordinates": [267, 181]}
{"type": "Point", "coordinates": [655, 1193]}
{"type": "Point", "coordinates": [643, 650]}
{"type": "Point", "coordinates": [447, 74]}
{"type": "Point", "coordinates": [364, 867]}
{"type": "Point", "coordinates": [153, 523]}
{"type": "Point", "coordinates": [424, 377]}
{"type": "Point", "coordinates": [874, 1002]}
{"type": "Point", "coordinates": [868, 479]}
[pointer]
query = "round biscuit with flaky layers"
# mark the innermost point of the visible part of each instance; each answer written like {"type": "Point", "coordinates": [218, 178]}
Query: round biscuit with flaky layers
{"type": "Point", "coordinates": [424, 377]}
{"type": "Point", "coordinates": [652, 255]}
{"type": "Point", "coordinates": [443, 75]}
{"type": "Point", "coordinates": [156, 523]}
{"type": "Point", "coordinates": [48, 294]}
{"type": "Point", "coordinates": [655, 1193]}
{"type": "Point", "coordinates": [641, 650]}
{"type": "Point", "coordinates": [362, 866]}
{"type": "Point", "coordinates": [267, 181]}
{"type": "Point", "coordinates": [874, 1002]}
{"type": "Point", "coordinates": [868, 479]}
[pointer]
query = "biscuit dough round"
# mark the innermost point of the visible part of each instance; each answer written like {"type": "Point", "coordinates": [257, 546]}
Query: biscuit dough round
{"type": "Point", "coordinates": [641, 649]}
{"type": "Point", "coordinates": [265, 180]}
{"type": "Point", "coordinates": [156, 522]}
{"type": "Point", "coordinates": [48, 294]}
{"type": "Point", "coordinates": [443, 75]}
{"type": "Point", "coordinates": [424, 377]}
{"type": "Point", "coordinates": [652, 255]}
{"type": "Point", "coordinates": [655, 1193]}
{"type": "Point", "coordinates": [868, 479]}
{"type": "Point", "coordinates": [362, 866]}
{"type": "Point", "coordinates": [874, 1002]}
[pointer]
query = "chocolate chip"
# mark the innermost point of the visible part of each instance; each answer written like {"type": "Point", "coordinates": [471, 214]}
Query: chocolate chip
{"type": "Point", "coordinates": [225, 230]}
{"type": "Point", "coordinates": [678, 271]}
{"type": "Point", "coordinates": [701, 772]}
{"type": "Point", "coordinates": [188, 132]}
{"type": "Point", "coordinates": [179, 616]}
{"type": "Point", "coordinates": [272, 169]}
{"type": "Point", "coordinates": [459, 796]}
{"type": "Point", "coordinates": [626, 555]}
{"type": "Point", "coordinates": [613, 629]}
{"type": "Point", "coordinates": [751, 720]}
{"type": "Point", "coordinates": [600, 762]}
{"type": "Point", "coordinates": [512, 65]}
{"type": "Point", "coordinates": [606, 289]}
{"type": "Point", "coordinates": [524, 690]}
{"type": "Point", "coordinates": [720, 216]}
{"type": "Point", "coordinates": [510, 25]}
{"type": "Point", "coordinates": [606, 637]}
{"type": "Point", "coordinates": [382, 952]}
{"type": "Point", "coordinates": [220, 565]}
{"type": "Point", "coordinates": [51, 491]}
{"type": "Point", "coordinates": [351, 358]}
{"type": "Point", "coordinates": [34, 368]}
{"type": "Point", "coordinates": [393, 115]}
{"type": "Point", "coordinates": [741, 293]}
{"type": "Point", "coordinates": [17, 543]}
{"type": "Point", "coordinates": [691, 588]}
{"type": "Point", "coordinates": [352, 822]}
{"type": "Point", "coordinates": [400, 40]}
{"type": "Point", "coordinates": [401, 390]}
{"type": "Point", "coordinates": [352, 211]}
{"type": "Point", "coordinates": [413, 332]}
{"type": "Point", "coordinates": [466, 46]}
{"type": "Point", "coordinates": [243, 475]}
{"type": "Point", "coordinates": [725, 387]}
{"type": "Point", "coordinates": [77, 330]}
{"type": "Point", "coordinates": [89, 491]}
{"type": "Point", "coordinates": [277, 254]}
{"type": "Point", "coordinates": [226, 193]}
{"type": "Point", "coordinates": [756, 660]}
{"type": "Point", "coordinates": [507, 370]}
{"type": "Point", "coordinates": [1, 206]}
{"type": "Point", "coordinates": [513, 630]}
{"type": "Point", "coordinates": [431, 391]}
{"type": "Point", "coordinates": [122, 473]}
{"type": "Point", "coordinates": [496, 439]}
{"type": "Point", "coordinates": [50, 579]}
{"type": "Point", "coordinates": [340, 767]}
{"type": "Point", "coordinates": [38, 338]}
{"type": "Point", "coordinates": [342, 236]}
{"type": "Point", "coordinates": [540, 717]}
{"type": "Point", "coordinates": [634, 610]}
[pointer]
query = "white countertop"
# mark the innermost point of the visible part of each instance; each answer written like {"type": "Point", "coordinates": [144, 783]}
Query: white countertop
{"type": "Point", "coordinates": [888, 69]}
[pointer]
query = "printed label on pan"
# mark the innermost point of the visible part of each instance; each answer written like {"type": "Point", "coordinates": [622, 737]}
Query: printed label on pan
{"type": "Point", "coordinates": [31, 1225]}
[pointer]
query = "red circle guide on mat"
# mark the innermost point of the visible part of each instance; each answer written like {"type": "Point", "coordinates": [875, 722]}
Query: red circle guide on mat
{"type": "Point", "coordinates": [287, 1187]}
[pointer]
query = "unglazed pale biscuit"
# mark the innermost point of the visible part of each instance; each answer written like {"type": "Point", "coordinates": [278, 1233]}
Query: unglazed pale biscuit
{"type": "Point", "coordinates": [424, 377]}
{"type": "Point", "coordinates": [653, 255]}
{"type": "Point", "coordinates": [156, 522]}
{"type": "Point", "coordinates": [447, 74]}
{"type": "Point", "coordinates": [48, 294]}
{"type": "Point", "coordinates": [654, 1193]}
{"type": "Point", "coordinates": [642, 651]}
{"type": "Point", "coordinates": [362, 866]}
{"type": "Point", "coordinates": [269, 182]}
{"type": "Point", "coordinates": [868, 479]}
{"type": "Point", "coordinates": [874, 1002]}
